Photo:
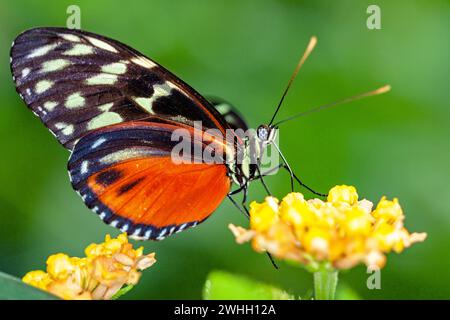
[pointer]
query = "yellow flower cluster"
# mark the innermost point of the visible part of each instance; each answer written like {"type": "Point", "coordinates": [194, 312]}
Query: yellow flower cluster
{"type": "Point", "coordinates": [98, 276]}
{"type": "Point", "coordinates": [342, 230]}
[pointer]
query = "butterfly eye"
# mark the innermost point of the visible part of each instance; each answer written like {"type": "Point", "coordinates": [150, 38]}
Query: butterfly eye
{"type": "Point", "coordinates": [263, 132]}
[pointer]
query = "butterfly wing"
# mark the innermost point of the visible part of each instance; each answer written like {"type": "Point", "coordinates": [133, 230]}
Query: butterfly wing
{"type": "Point", "coordinates": [126, 173]}
{"type": "Point", "coordinates": [229, 113]}
{"type": "Point", "coordinates": [76, 82]}
{"type": "Point", "coordinates": [117, 109]}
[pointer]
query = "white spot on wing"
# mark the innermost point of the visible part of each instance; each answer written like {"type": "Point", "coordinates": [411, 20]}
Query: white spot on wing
{"type": "Point", "coordinates": [101, 44]}
{"type": "Point", "coordinates": [42, 50]}
{"type": "Point", "coordinates": [84, 167]}
{"type": "Point", "coordinates": [98, 143]}
{"type": "Point", "coordinates": [128, 153]}
{"type": "Point", "coordinates": [114, 223]}
{"type": "Point", "coordinates": [161, 234]}
{"type": "Point", "coordinates": [143, 62]}
{"type": "Point", "coordinates": [25, 72]}
{"type": "Point", "coordinates": [70, 37]}
{"type": "Point", "coordinates": [75, 100]}
{"type": "Point", "coordinates": [50, 105]}
{"type": "Point", "coordinates": [66, 129]}
{"type": "Point", "coordinates": [104, 119]}
{"type": "Point", "coordinates": [79, 49]}
{"type": "Point", "coordinates": [145, 103]}
{"type": "Point", "coordinates": [181, 228]}
{"type": "Point", "coordinates": [116, 68]}
{"type": "Point", "coordinates": [160, 90]}
{"type": "Point", "coordinates": [54, 65]}
{"type": "Point", "coordinates": [105, 107]}
{"type": "Point", "coordinates": [102, 78]}
{"type": "Point", "coordinates": [43, 86]}
{"type": "Point", "coordinates": [223, 108]}
{"type": "Point", "coordinates": [42, 111]}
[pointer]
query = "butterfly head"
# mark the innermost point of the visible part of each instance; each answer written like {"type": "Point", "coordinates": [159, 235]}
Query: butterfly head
{"type": "Point", "coordinates": [266, 134]}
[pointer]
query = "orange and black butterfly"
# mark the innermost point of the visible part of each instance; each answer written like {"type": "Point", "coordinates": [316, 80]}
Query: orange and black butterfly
{"type": "Point", "coordinates": [116, 111]}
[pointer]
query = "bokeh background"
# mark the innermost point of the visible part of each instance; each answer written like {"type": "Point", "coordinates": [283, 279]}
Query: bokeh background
{"type": "Point", "coordinates": [397, 144]}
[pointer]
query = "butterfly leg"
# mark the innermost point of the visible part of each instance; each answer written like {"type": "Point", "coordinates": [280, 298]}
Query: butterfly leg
{"type": "Point", "coordinates": [301, 183]}
{"type": "Point", "coordinates": [244, 200]}
{"type": "Point", "coordinates": [286, 166]}
{"type": "Point", "coordinates": [244, 212]}
{"type": "Point", "coordinates": [293, 176]}
{"type": "Point", "coordinates": [268, 172]}
{"type": "Point", "coordinates": [260, 176]}
{"type": "Point", "coordinates": [232, 193]}
{"type": "Point", "coordinates": [243, 207]}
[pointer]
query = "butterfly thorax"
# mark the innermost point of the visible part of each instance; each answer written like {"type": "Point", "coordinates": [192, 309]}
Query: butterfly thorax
{"type": "Point", "coordinates": [244, 167]}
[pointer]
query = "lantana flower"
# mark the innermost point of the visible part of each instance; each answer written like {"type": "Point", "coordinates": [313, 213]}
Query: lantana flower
{"type": "Point", "coordinates": [342, 230]}
{"type": "Point", "coordinates": [107, 268]}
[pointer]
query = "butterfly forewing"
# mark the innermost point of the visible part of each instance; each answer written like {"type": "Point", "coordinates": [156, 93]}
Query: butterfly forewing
{"type": "Point", "coordinates": [77, 81]}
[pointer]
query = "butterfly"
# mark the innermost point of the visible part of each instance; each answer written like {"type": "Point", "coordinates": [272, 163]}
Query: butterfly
{"type": "Point", "coordinates": [116, 110]}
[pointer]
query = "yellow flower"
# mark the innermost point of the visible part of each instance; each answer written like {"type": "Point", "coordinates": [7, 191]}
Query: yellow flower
{"type": "Point", "coordinates": [38, 279]}
{"type": "Point", "coordinates": [295, 210]}
{"type": "Point", "coordinates": [60, 266]}
{"type": "Point", "coordinates": [107, 267]}
{"type": "Point", "coordinates": [343, 193]}
{"type": "Point", "coordinates": [265, 214]}
{"type": "Point", "coordinates": [356, 221]}
{"type": "Point", "coordinates": [389, 211]}
{"type": "Point", "coordinates": [342, 231]}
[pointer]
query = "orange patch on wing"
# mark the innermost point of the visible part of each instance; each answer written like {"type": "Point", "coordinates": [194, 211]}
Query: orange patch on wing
{"type": "Point", "coordinates": [155, 191]}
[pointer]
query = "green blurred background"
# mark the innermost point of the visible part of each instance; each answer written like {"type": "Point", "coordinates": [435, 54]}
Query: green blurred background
{"type": "Point", "coordinates": [244, 51]}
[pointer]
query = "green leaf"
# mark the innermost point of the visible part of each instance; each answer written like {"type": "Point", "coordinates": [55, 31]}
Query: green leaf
{"type": "Point", "coordinates": [12, 288]}
{"type": "Point", "coordinates": [122, 291]}
{"type": "Point", "coordinates": [224, 285]}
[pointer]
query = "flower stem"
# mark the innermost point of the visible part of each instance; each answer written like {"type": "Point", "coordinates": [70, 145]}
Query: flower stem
{"type": "Point", "coordinates": [325, 282]}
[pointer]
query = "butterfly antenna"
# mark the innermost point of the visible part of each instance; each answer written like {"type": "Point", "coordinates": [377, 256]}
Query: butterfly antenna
{"type": "Point", "coordinates": [312, 43]}
{"type": "Point", "coordinates": [375, 92]}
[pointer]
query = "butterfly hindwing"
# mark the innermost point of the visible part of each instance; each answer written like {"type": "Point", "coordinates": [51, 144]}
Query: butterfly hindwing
{"type": "Point", "coordinates": [126, 174]}
{"type": "Point", "coordinates": [229, 113]}
{"type": "Point", "coordinates": [76, 82]}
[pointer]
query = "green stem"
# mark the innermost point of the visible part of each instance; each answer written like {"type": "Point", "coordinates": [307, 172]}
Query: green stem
{"type": "Point", "coordinates": [325, 282]}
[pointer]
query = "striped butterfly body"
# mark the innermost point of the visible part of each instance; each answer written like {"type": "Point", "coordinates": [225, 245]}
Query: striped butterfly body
{"type": "Point", "coordinates": [116, 111]}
